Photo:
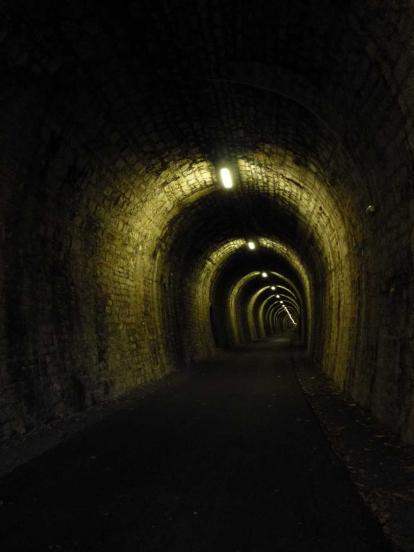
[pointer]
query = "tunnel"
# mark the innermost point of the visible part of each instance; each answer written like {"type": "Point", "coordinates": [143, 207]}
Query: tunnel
{"type": "Point", "coordinates": [193, 190]}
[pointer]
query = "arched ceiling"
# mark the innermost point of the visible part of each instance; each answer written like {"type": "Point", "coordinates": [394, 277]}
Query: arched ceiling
{"type": "Point", "coordinates": [115, 119]}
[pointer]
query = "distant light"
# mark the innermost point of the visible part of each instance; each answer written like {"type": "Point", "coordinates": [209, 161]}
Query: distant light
{"type": "Point", "coordinates": [290, 316]}
{"type": "Point", "coordinates": [264, 274]}
{"type": "Point", "coordinates": [273, 288]}
{"type": "Point", "coordinates": [281, 302]}
{"type": "Point", "coordinates": [226, 178]}
{"type": "Point", "coordinates": [277, 296]}
{"type": "Point", "coordinates": [288, 313]}
{"type": "Point", "coordinates": [251, 245]}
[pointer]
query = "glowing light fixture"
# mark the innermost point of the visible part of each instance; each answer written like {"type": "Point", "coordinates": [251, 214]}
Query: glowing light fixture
{"type": "Point", "coordinates": [264, 274]}
{"type": "Point", "coordinates": [277, 296]}
{"type": "Point", "coordinates": [226, 178]}
{"type": "Point", "coordinates": [273, 288]}
{"type": "Point", "coordinates": [251, 245]}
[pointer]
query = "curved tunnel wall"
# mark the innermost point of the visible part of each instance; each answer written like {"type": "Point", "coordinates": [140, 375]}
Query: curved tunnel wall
{"type": "Point", "coordinates": [110, 215]}
{"type": "Point", "coordinates": [272, 299]}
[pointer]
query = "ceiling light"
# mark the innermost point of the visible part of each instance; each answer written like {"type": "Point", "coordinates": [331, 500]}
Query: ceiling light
{"type": "Point", "coordinates": [226, 178]}
{"type": "Point", "coordinates": [277, 296]}
{"type": "Point", "coordinates": [273, 288]}
{"type": "Point", "coordinates": [251, 245]}
{"type": "Point", "coordinates": [264, 274]}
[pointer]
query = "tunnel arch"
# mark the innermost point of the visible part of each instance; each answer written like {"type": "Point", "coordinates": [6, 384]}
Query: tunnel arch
{"type": "Point", "coordinates": [106, 151]}
{"type": "Point", "coordinates": [209, 277]}
{"type": "Point", "coordinates": [252, 316]}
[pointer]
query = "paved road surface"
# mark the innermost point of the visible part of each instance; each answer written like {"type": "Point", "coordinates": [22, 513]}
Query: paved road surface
{"type": "Point", "coordinates": [229, 458]}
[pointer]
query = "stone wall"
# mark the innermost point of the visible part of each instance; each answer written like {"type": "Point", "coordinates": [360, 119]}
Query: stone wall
{"type": "Point", "coordinates": [113, 228]}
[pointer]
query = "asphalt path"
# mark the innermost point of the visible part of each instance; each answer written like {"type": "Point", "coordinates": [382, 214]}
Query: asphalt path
{"type": "Point", "coordinates": [229, 457]}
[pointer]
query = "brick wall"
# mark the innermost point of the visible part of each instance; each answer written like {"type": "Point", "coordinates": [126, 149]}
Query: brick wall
{"type": "Point", "coordinates": [115, 239]}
